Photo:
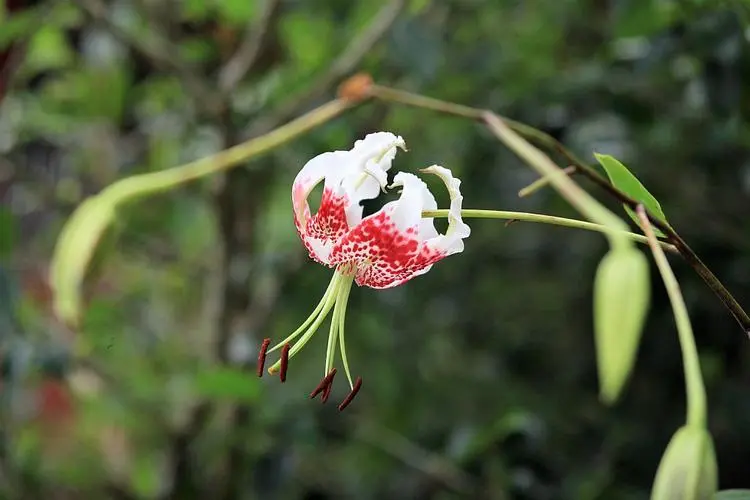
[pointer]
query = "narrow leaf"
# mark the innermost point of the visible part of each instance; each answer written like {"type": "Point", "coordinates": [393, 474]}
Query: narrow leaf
{"type": "Point", "coordinates": [732, 495]}
{"type": "Point", "coordinates": [621, 301]}
{"type": "Point", "coordinates": [625, 181]}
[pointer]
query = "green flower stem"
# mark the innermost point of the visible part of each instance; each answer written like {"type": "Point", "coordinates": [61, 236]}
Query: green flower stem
{"type": "Point", "coordinates": [544, 219]}
{"type": "Point", "coordinates": [696, 391]}
{"type": "Point", "coordinates": [572, 192]}
{"type": "Point", "coordinates": [82, 231]}
{"type": "Point", "coordinates": [419, 101]}
{"type": "Point", "coordinates": [342, 342]}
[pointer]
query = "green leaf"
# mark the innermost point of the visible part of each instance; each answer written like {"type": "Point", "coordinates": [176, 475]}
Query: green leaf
{"type": "Point", "coordinates": [145, 477]}
{"type": "Point", "coordinates": [48, 49]}
{"type": "Point", "coordinates": [8, 232]}
{"type": "Point", "coordinates": [227, 383]}
{"type": "Point", "coordinates": [625, 181]}
{"type": "Point", "coordinates": [688, 469]}
{"type": "Point", "coordinates": [732, 495]}
{"type": "Point", "coordinates": [308, 39]}
{"type": "Point", "coordinates": [238, 12]}
{"type": "Point", "coordinates": [621, 299]}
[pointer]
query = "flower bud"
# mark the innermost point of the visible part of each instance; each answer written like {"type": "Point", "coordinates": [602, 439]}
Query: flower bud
{"type": "Point", "coordinates": [688, 468]}
{"type": "Point", "coordinates": [621, 301]}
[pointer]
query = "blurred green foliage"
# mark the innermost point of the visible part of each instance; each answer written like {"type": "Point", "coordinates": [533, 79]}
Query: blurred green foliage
{"type": "Point", "coordinates": [479, 377]}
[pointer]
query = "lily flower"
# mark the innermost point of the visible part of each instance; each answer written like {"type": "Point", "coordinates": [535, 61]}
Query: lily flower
{"type": "Point", "coordinates": [382, 250]}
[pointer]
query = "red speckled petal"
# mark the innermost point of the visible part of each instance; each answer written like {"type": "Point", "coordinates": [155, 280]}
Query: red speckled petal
{"type": "Point", "coordinates": [319, 232]}
{"type": "Point", "coordinates": [388, 246]}
{"type": "Point", "coordinates": [350, 177]}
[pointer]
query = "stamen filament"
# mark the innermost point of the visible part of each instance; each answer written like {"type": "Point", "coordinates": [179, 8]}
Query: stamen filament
{"type": "Point", "coordinates": [331, 287]}
{"type": "Point", "coordinates": [333, 334]}
{"type": "Point", "coordinates": [343, 300]}
{"type": "Point", "coordinates": [330, 299]}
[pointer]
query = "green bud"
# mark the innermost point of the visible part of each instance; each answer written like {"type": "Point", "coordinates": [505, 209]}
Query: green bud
{"type": "Point", "coordinates": [621, 300]}
{"type": "Point", "coordinates": [688, 468]}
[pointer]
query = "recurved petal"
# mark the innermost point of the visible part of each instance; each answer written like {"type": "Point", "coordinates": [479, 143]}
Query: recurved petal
{"type": "Point", "coordinates": [452, 241]}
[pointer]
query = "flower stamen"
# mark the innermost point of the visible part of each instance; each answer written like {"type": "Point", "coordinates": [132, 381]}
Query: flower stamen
{"type": "Point", "coordinates": [326, 393]}
{"type": "Point", "coordinates": [324, 384]}
{"type": "Point", "coordinates": [262, 356]}
{"type": "Point", "coordinates": [348, 399]}
{"type": "Point", "coordinates": [284, 362]}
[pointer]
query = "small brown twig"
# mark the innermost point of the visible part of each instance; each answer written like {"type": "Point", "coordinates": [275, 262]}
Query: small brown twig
{"type": "Point", "coordinates": [159, 52]}
{"type": "Point", "coordinates": [345, 63]}
{"type": "Point", "coordinates": [250, 47]}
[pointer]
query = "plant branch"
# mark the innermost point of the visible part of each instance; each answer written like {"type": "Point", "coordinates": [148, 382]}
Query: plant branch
{"type": "Point", "coordinates": [687, 253]}
{"type": "Point", "coordinates": [250, 48]}
{"type": "Point", "coordinates": [471, 213]}
{"type": "Point", "coordinates": [159, 52]}
{"type": "Point", "coordinates": [432, 465]}
{"type": "Point", "coordinates": [345, 63]}
{"type": "Point", "coordinates": [696, 391]}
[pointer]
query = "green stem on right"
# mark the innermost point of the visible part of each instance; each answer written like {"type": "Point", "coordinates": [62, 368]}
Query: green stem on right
{"type": "Point", "coordinates": [713, 282]}
{"type": "Point", "coordinates": [696, 391]}
{"type": "Point", "coordinates": [544, 219]}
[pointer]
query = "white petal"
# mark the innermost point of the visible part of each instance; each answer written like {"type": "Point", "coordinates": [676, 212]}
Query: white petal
{"type": "Point", "coordinates": [371, 158]}
{"type": "Point", "coordinates": [331, 166]}
{"type": "Point", "coordinates": [350, 177]}
{"type": "Point", "coordinates": [415, 197]}
{"type": "Point", "coordinates": [452, 241]}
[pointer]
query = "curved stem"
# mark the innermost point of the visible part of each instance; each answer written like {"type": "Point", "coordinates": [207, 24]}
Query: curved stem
{"type": "Point", "coordinates": [696, 391]}
{"type": "Point", "coordinates": [342, 342]}
{"type": "Point", "coordinates": [471, 213]}
{"type": "Point", "coordinates": [713, 282]}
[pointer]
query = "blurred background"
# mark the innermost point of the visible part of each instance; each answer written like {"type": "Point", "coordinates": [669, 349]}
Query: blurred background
{"type": "Point", "coordinates": [479, 377]}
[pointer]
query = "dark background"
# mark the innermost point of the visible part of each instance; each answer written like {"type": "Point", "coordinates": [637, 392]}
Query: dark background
{"type": "Point", "coordinates": [479, 377]}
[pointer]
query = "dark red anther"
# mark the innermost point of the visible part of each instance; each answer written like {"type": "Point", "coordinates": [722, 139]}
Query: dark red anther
{"type": "Point", "coordinates": [348, 399]}
{"type": "Point", "coordinates": [262, 356]}
{"type": "Point", "coordinates": [327, 393]}
{"type": "Point", "coordinates": [284, 362]}
{"type": "Point", "coordinates": [324, 385]}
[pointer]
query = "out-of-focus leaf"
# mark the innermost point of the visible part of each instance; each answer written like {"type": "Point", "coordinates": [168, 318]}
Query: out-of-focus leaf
{"type": "Point", "coordinates": [227, 383]}
{"type": "Point", "coordinates": [417, 6]}
{"type": "Point", "coordinates": [688, 468]}
{"type": "Point", "coordinates": [106, 89]}
{"type": "Point", "coordinates": [195, 10]}
{"type": "Point", "coordinates": [643, 17]}
{"type": "Point", "coordinates": [308, 38]}
{"type": "Point", "coordinates": [732, 495]}
{"type": "Point", "coordinates": [8, 303]}
{"type": "Point", "coordinates": [621, 300]}
{"type": "Point", "coordinates": [625, 181]}
{"type": "Point", "coordinates": [238, 12]}
{"type": "Point", "coordinates": [48, 49]}
{"type": "Point", "coordinates": [19, 25]}
{"type": "Point", "coordinates": [8, 231]}
{"type": "Point", "coordinates": [146, 477]}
